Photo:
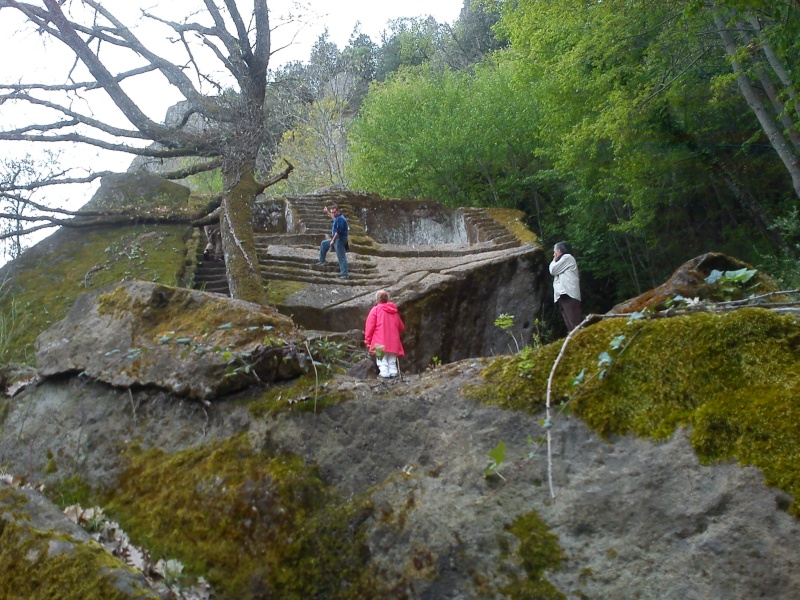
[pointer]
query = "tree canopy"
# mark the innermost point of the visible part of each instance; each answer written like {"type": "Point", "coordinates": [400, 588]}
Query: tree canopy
{"type": "Point", "coordinates": [644, 133]}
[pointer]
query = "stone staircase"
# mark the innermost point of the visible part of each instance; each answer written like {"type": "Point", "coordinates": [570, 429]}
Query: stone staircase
{"type": "Point", "coordinates": [293, 256]}
{"type": "Point", "coordinates": [210, 275]}
{"type": "Point", "coordinates": [486, 229]}
{"type": "Point", "coordinates": [299, 262]}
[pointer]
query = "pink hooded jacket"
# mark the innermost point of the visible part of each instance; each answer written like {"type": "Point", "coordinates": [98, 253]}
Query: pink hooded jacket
{"type": "Point", "coordinates": [383, 328]}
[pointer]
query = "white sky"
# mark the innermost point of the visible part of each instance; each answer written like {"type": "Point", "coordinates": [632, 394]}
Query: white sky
{"type": "Point", "coordinates": [26, 59]}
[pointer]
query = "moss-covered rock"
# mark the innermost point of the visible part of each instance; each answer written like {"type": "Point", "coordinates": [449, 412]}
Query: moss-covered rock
{"type": "Point", "coordinates": [189, 342]}
{"type": "Point", "coordinates": [256, 525]}
{"type": "Point", "coordinates": [45, 281]}
{"type": "Point", "coordinates": [733, 378]}
{"type": "Point", "coordinates": [45, 556]}
{"type": "Point", "coordinates": [689, 281]}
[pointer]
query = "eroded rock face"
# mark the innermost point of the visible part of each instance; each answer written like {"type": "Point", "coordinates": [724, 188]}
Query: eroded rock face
{"type": "Point", "coordinates": [136, 190]}
{"type": "Point", "coordinates": [635, 518]}
{"type": "Point", "coordinates": [188, 342]}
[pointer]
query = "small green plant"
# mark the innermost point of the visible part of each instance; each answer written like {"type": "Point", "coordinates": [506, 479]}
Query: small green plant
{"type": "Point", "coordinates": [541, 334]}
{"type": "Point", "coordinates": [497, 456]}
{"type": "Point", "coordinates": [506, 322]}
{"type": "Point", "coordinates": [436, 362]}
{"type": "Point", "coordinates": [329, 353]}
{"type": "Point", "coordinates": [731, 283]}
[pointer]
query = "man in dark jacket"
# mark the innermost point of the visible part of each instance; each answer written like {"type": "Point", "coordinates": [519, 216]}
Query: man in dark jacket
{"type": "Point", "coordinates": [339, 238]}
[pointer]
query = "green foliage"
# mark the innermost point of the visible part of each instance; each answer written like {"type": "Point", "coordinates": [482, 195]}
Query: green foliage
{"type": "Point", "coordinates": [330, 354]}
{"type": "Point", "coordinates": [506, 322]}
{"type": "Point", "coordinates": [733, 378]}
{"type": "Point", "coordinates": [731, 283]}
{"type": "Point", "coordinates": [207, 182]}
{"type": "Point", "coordinates": [424, 133]}
{"type": "Point", "coordinates": [613, 125]}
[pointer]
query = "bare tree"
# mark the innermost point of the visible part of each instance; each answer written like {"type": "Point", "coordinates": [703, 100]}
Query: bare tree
{"type": "Point", "coordinates": [218, 61]}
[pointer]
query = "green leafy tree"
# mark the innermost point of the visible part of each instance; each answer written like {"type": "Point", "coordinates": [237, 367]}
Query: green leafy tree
{"type": "Point", "coordinates": [642, 126]}
{"type": "Point", "coordinates": [762, 41]}
{"type": "Point", "coordinates": [459, 137]}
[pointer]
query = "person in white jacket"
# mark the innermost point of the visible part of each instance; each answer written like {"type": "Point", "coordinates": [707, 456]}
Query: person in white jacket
{"type": "Point", "coordinates": [566, 284]}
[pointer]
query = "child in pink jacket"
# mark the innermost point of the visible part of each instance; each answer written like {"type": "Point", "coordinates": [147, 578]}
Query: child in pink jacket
{"type": "Point", "coordinates": [382, 335]}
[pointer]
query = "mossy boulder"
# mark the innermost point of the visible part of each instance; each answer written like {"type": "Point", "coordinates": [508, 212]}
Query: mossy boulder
{"type": "Point", "coordinates": [188, 342]}
{"type": "Point", "coordinates": [41, 285]}
{"type": "Point", "coordinates": [733, 378]}
{"type": "Point", "coordinates": [44, 555]}
{"type": "Point", "coordinates": [255, 524]}
{"type": "Point", "coordinates": [689, 281]}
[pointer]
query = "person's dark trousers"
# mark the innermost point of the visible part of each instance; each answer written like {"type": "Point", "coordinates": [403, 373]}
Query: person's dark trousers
{"type": "Point", "coordinates": [570, 310]}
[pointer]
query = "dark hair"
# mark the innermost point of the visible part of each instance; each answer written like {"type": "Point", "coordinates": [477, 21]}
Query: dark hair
{"type": "Point", "coordinates": [564, 247]}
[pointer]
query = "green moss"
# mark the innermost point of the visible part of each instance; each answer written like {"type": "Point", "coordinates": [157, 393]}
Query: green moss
{"type": "Point", "coordinates": [302, 394]}
{"type": "Point", "coordinates": [52, 466]}
{"type": "Point", "coordinates": [5, 405]}
{"type": "Point", "coordinates": [734, 378]}
{"type": "Point", "coordinates": [214, 322]}
{"type": "Point", "coordinates": [538, 551]}
{"type": "Point", "coordinates": [278, 291]}
{"type": "Point", "coordinates": [32, 570]}
{"type": "Point", "coordinates": [69, 491]}
{"type": "Point", "coordinates": [256, 525]}
{"type": "Point", "coordinates": [512, 220]}
{"type": "Point", "coordinates": [46, 283]}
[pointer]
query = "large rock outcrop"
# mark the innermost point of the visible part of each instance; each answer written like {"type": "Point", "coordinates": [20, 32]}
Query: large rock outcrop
{"type": "Point", "coordinates": [451, 272]}
{"type": "Point", "coordinates": [188, 342]}
{"type": "Point", "coordinates": [405, 504]}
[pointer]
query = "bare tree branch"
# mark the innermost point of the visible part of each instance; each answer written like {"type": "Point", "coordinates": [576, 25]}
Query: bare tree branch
{"type": "Point", "coordinates": [224, 130]}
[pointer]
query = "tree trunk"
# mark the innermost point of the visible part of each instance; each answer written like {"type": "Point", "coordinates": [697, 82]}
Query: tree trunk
{"type": "Point", "coordinates": [775, 63]}
{"type": "Point", "coordinates": [238, 241]}
{"type": "Point", "coordinates": [773, 93]}
{"type": "Point", "coordinates": [776, 138]}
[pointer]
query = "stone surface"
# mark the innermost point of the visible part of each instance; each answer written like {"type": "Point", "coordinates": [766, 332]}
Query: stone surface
{"type": "Point", "coordinates": [188, 342]}
{"type": "Point", "coordinates": [28, 520]}
{"type": "Point", "coordinates": [636, 519]}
